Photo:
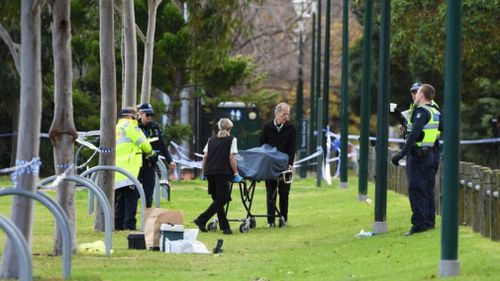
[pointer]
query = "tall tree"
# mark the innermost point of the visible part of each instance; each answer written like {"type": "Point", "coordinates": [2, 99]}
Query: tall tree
{"type": "Point", "coordinates": [62, 132]}
{"type": "Point", "coordinates": [9, 80]}
{"type": "Point", "coordinates": [129, 90]}
{"type": "Point", "coordinates": [148, 51]}
{"type": "Point", "coordinates": [29, 129]}
{"type": "Point", "coordinates": [106, 180]}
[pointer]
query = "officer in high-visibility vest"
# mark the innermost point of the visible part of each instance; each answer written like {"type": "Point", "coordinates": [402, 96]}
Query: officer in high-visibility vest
{"type": "Point", "coordinates": [408, 113]}
{"type": "Point", "coordinates": [130, 144]}
{"type": "Point", "coordinates": [422, 160]}
{"type": "Point", "coordinates": [152, 131]}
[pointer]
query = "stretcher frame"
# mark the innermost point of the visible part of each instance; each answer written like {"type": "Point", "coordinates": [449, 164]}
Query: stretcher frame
{"type": "Point", "coordinates": [247, 195]}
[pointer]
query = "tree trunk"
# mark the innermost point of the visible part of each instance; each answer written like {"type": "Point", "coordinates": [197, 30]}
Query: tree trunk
{"type": "Point", "coordinates": [29, 130]}
{"type": "Point", "coordinates": [106, 180]}
{"type": "Point", "coordinates": [62, 131]}
{"type": "Point", "coordinates": [148, 51]}
{"type": "Point", "coordinates": [129, 91]}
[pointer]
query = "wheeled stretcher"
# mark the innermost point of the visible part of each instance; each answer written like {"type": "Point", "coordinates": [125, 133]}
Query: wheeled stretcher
{"type": "Point", "coordinates": [254, 165]}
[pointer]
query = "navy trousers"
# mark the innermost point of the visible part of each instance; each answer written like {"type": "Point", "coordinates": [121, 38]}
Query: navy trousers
{"type": "Point", "coordinates": [421, 173]}
{"type": "Point", "coordinates": [125, 208]}
{"type": "Point", "coordinates": [147, 176]}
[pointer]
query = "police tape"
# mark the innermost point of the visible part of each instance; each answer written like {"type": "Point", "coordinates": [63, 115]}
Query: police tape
{"type": "Point", "coordinates": [23, 167]}
{"type": "Point", "coordinates": [319, 151]}
{"type": "Point", "coordinates": [400, 140]}
{"type": "Point", "coordinates": [95, 133]}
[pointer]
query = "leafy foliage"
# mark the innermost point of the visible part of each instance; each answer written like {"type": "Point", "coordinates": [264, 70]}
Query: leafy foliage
{"type": "Point", "coordinates": [418, 54]}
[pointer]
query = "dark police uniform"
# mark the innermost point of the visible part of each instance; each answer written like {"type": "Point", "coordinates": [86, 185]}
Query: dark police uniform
{"type": "Point", "coordinates": [219, 174]}
{"type": "Point", "coordinates": [283, 138]}
{"type": "Point", "coordinates": [147, 174]}
{"type": "Point", "coordinates": [422, 151]}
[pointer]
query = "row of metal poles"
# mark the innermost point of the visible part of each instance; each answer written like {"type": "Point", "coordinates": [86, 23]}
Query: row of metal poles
{"type": "Point", "coordinates": [318, 118]}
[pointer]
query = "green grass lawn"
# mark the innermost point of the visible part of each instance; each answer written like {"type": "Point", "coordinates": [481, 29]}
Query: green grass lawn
{"type": "Point", "coordinates": [318, 244]}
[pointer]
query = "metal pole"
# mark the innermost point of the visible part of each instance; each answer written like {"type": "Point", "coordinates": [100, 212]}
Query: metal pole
{"type": "Point", "coordinates": [22, 251]}
{"type": "Point", "coordinates": [312, 101]}
{"type": "Point", "coordinates": [344, 111]}
{"type": "Point", "coordinates": [380, 225]}
{"type": "Point", "coordinates": [326, 73]}
{"type": "Point", "coordinates": [299, 111]}
{"type": "Point", "coordinates": [60, 216]}
{"type": "Point", "coordinates": [449, 264]}
{"type": "Point", "coordinates": [137, 184]}
{"type": "Point", "coordinates": [101, 197]}
{"type": "Point", "coordinates": [365, 103]}
{"type": "Point", "coordinates": [319, 166]}
{"type": "Point", "coordinates": [318, 116]}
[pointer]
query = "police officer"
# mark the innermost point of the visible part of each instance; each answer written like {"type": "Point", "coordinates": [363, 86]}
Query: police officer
{"type": "Point", "coordinates": [130, 145]}
{"type": "Point", "coordinates": [422, 154]}
{"type": "Point", "coordinates": [153, 132]}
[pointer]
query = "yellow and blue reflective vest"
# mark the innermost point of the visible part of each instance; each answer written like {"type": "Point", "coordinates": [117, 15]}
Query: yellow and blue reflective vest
{"type": "Point", "coordinates": [130, 143]}
{"type": "Point", "coordinates": [410, 114]}
{"type": "Point", "coordinates": [431, 129]}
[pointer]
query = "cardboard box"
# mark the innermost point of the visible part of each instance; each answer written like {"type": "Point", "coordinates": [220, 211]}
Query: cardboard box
{"type": "Point", "coordinates": [154, 218]}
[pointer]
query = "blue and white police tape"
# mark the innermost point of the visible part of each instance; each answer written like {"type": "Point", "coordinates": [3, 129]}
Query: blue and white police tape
{"type": "Point", "coordinates": [23, 167]}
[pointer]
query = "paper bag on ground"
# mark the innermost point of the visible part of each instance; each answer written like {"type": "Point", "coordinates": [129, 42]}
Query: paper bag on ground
{"type": "Point", "coordinates": [153, 218]}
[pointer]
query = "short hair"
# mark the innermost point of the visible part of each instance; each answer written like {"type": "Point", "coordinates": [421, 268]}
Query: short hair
{"type": "Point", "coordinates": [280, 107]}
{"type": "Point", "coordinates": [224, 126]}
{"type": "Point", "coordinates": [428, 91]}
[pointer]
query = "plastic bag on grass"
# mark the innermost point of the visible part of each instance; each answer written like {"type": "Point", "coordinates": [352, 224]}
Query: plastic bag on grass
{"type": "Point", "coordinates": [97, 247]}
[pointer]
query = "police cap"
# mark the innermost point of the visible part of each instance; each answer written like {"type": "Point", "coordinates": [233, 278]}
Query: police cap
{"type": "Point", "coordinates": [415, 86]}
{"type": "Point", "coordinates": [146, 108]}
{"type": "Point", "coordinates": [127, 112]}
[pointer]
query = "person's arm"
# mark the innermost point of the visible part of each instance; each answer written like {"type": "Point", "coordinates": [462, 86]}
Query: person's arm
{"type": "Point", "coordinates": [232, 163]}
{"type": "Point", "coordinates": [291, 147]}
{"type": "Point", "coordinates": [163, 147]}
{"type": "Point", "coordinates": [139, 139]}
{"type": "Point", "coordinates": [204, 163]}
{"type": "Point", "coordinates": [232, 159]}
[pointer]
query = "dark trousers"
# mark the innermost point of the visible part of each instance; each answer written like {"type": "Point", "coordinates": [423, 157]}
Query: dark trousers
{"type": "Point", "coordinates": [219, 188]}
{"type": "Point", "coordinates": [147, 176]}
{"type": "Point", "coordinates": [125, 208]}
{"type": "Point", "coordinates": [422, 178]}
{"type": "Point", "coordinates": [283, 190]}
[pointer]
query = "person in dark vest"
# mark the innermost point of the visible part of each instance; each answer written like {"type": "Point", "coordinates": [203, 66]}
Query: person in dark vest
{"type": "Point", "coordinates": [152, 131]}
{"type": "Point", "coordinates": [279, 133]}
{"type": "Point", "coordinates": [219, 168]}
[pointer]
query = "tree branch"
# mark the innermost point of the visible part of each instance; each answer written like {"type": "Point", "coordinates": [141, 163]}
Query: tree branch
{"type": "Point", "coordinates": [13, 47]}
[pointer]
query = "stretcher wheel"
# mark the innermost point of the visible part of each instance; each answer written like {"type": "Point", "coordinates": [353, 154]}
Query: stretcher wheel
{"type": "Point", "coordinates": [212, 226]}
{"type": "Point", "coordinates": [244, 228]}
{"type": "Point", "coordinates": [252, 223]}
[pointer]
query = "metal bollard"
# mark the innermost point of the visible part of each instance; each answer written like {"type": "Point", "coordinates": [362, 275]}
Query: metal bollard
{"type": "Point", "coordinates": [23, 252]}
{"type": "Point", "coordinates": [60, 216]}
{"type": "Point", "coordinates": [103, 200]}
